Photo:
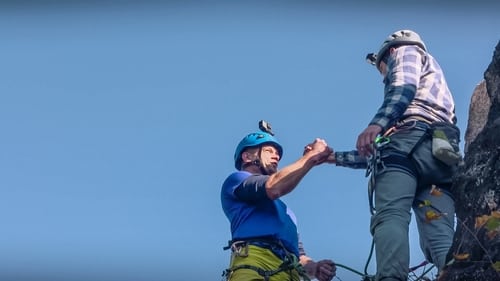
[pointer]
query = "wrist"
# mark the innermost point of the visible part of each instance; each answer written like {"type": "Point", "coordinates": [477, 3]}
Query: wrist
{"type": "Point", "coordinates": [311, 269]}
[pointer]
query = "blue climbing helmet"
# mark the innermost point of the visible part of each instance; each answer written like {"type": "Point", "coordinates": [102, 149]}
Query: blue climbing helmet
{"type": "Point", "coordinates": [254, 140]}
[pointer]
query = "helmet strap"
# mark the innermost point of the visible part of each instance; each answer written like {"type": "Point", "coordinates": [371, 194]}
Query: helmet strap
{"type": "Point", "coordinates": [257, 162]}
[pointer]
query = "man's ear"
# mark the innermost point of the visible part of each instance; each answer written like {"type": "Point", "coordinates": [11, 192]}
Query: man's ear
{"type": "Point", "coordinates": [248, 157]}
{"type": "Point", "coordinates": [244, 157]}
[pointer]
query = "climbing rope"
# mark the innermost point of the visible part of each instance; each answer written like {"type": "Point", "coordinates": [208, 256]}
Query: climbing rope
{"type": "Point", "coordinates": [411, 272]}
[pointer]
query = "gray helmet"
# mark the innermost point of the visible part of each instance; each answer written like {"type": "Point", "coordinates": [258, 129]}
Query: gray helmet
{"type": "Point", "coordinates": [400, 37]}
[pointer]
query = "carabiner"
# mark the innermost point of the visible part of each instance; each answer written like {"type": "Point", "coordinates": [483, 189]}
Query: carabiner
{"type": "Point", "coordinates": [381, 141]}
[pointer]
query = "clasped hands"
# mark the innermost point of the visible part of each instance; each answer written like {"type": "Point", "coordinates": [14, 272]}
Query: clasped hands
{"type": "Point", "coordinates": [364, 145]}
{"type": "Point", "coordinates": [323, 153]}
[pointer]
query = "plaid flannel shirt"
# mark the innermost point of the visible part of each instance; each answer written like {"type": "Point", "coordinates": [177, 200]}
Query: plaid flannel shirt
{"type": "Point", "coordinates": [414, 86]}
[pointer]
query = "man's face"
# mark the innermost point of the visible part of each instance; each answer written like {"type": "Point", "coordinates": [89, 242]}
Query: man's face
{"type": "Point", "coordinates": [382, 68]}
{"type": "Point", "coordinates": [269, 157]}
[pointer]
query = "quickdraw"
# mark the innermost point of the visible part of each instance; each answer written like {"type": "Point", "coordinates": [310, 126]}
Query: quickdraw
{"type": "Point", "coordinates": [374, 162]}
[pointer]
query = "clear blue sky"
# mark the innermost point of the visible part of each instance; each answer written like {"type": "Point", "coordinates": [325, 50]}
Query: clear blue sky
{"type": "Point", "coordinates": [119, 121]}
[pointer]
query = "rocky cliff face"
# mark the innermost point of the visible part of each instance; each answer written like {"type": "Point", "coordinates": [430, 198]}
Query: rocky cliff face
{"type": "Point", "coordinates": [475, 252]}
{"type": "Point", "coordinates": [478, 113]}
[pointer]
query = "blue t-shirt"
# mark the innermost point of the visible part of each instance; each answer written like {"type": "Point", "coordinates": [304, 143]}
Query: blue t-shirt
{"type": "Point", "coordinates": [257, 216]}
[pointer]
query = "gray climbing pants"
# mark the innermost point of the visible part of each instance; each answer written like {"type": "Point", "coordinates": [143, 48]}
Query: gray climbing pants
{"type": "Point", "coordinates": [411, 178]}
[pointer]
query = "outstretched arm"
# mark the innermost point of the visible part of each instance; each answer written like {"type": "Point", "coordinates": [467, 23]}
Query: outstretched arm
{"type": "Point", "coordinates": [349, 159]}
{"type": "Point", "coordinates": [286, 179]}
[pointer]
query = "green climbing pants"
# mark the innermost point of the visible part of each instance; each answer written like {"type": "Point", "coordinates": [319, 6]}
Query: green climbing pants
{"type": "Point", "coordinates": [262, 258]}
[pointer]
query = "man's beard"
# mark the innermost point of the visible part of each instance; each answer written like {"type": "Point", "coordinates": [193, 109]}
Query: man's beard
{"type": "Point", "coordinates": [270, 169]}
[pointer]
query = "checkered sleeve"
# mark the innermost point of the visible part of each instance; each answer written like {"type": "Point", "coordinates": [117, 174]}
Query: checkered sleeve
{"type": "Point", "coordinates": [401, 83]}
{"type": "Point", "coordinates": [350, 159]}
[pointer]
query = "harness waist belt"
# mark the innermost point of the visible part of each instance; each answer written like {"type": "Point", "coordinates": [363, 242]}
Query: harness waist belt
{"type": "Point", "coordinates": [416, 118]}
{"type": "Point", "coordinates": [272, 244]}
{"type": "Point", "coordinates": [401, 162]}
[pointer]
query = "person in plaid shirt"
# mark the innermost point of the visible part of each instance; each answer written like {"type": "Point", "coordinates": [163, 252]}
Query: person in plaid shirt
{"type": "Point", "coordinates": [396, 146]}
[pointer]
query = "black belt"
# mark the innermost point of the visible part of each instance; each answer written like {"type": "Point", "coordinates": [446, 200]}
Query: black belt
{"type": "Point", "coordinates": [400, 162]}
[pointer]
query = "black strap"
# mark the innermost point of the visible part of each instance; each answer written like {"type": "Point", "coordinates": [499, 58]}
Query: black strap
{"type": "Point", "coordinates": [270, 241]}
{"type": "Point", "coordinates": [426, 134]}
{"type": "Point", "coordinates": [228, 246]}
{"type": "Point", "coordinates": [401, 162]}
{"type": "Point", "coordinates": [419, 142]}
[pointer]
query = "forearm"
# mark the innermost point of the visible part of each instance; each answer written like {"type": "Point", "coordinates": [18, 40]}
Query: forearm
{"type": "Point", "coordinates": [286, 179]}
{"type": "Point", "coordinates": [350, 159]}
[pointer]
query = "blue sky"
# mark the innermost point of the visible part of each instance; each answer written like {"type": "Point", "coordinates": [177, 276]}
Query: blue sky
{"type": "Point", "coordinates": [119, 122]}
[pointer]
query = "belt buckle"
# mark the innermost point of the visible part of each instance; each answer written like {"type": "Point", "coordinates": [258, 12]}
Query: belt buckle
{"type": "Point", "coordinates": [240, 248]}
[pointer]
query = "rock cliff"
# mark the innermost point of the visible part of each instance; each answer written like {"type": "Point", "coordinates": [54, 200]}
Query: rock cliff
{"type": "Point", "coordinates": [475, 253]}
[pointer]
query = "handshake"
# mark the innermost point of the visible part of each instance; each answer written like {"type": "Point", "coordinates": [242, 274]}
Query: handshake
{"type": "Point", "coordinates": [320, 152]}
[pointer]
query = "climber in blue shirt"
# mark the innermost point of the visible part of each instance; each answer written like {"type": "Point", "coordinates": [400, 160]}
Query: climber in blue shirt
{"type": "Point", "coordinates": [265, 243]}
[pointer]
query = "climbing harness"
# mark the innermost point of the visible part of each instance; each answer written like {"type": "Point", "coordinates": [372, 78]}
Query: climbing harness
{"type": "Point", "coordinates": [375, 162]}
{"type": "Point", "coordinates": [240, 249]}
